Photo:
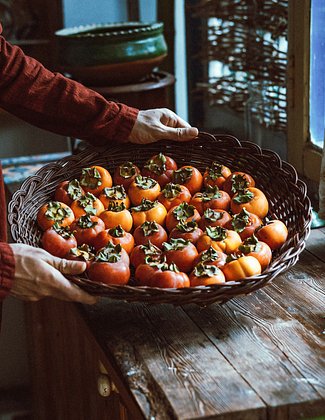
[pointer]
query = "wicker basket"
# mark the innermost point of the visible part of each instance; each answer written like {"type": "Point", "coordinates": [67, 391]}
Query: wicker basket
{"type": "Point", "coordinates": [287, 197]}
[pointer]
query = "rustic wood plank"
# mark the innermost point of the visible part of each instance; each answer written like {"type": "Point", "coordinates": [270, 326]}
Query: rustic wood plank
{"type": "Point", "coordinates": [300, 291]}
{"type": "Point", "coordinates": [273, 352]}
{"type": "Point", "coordinates": [303, 349]}
{"type": "Point", "coordinates": [168, 362]}
{"type": "Point", "coordinates": [65, 367]}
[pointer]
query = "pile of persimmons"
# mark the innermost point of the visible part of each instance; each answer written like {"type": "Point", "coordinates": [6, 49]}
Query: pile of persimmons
{"type": "Point", "coordinates": [174, 227]}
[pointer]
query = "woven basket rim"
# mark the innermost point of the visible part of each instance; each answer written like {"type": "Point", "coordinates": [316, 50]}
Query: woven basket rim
{"type": "Point", "coordinates": [279, 264]}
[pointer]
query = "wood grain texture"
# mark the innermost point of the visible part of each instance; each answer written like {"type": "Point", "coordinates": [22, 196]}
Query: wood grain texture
{"type": "Point", "coordinates": [261, 347]}
{"type": "Point", "coordinates": [301, 292]}
{"type": "Point", "coordinates": [65, 368]}
{"type": "Point", "coordinates": [178, 361]}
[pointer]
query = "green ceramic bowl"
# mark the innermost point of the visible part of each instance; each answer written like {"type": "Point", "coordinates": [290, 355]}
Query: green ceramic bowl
{"type": "Point", "coordinates": [116, 53]}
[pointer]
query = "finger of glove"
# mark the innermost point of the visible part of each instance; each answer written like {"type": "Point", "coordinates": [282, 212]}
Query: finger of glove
{"type": "Point", "coordinates": [171, 119]}
{"type": "Point", "coordinates": [67, 266]}
{"type": "Point", "coordinates": [180, 134]}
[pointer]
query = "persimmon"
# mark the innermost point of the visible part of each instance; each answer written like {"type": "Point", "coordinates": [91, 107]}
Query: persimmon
{"type": "Point", "coordinates": [238, 268]}
{"type": "Point", "coordinates": [116, 235]}
{"type": "Point", "coordinates": [140, 253]}
{"type": "Point", "coordinates": [150, 231]}
{"type": "Point", "coordinates": [258, 249]}
{"type": "Point", "coordinates": [161, 275]}
{"type": "Point", "coordinates": [117, 215]}
{"type": "Point", "coordinates": [151, 211]}
{"type": "Point", "coordinates": [160, 168]}
{"type": "Point", "coordinates": [143, 188]}
{"type": "Point", "coordinates": [254, 201]}
{"type": "Point", "coordinates": [244, 223]}
{"type": "Point", "coordinates": [68, 191]}
{"type": "Point", "coordinates": [115, 194]}
{"type": "Point", "coordinates": [183, 212]}
{"type": "Point", "coordinates": [214, 217]}
{"type": "Point", "coordinates": [58, 240]}
{"type": "Point", "coordinates": [274, 233]}
{"type": "Point", "coordinates": [111, 266]}
{"type": "Point", "coordinates": [95, 178]}
{"type": "Point", "coordinates": [211, 198]}
{"type": "Point", "coordinates": [215, 175]}
{"type": "Point", "coordinates": [181, 252]}
{"type": "Point", "coordinates": [211, 256]}
{"type": "Point", "coordinates": [125, 174]}
{"type": "Point", "coordinates": [145, 272]}
{"type": "Point", "coordinates": [87, 204]}
{"type": "Point", "coordinates": [82, 252]}
{"type": "Point", "coordinates": [205, 275]}
{"type": "Point", "coordinates": [189, 176]}
{"type": "Point", "coordinates": [86, 228]}
{"type": "Point", "coordinates": [54, 212]}
{"type": "Point", "coordinates": [173, 195]}
{"type": "Point", "coordinates": [237, 182]}
{"type": "Point", "coordinates": [219, 238]}
{"type": "Point", "coordinates": [189, 231]}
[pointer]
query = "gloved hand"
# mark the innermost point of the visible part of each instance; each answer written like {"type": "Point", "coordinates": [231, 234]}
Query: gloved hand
{"type": "Point", "coordinates": [39, 274]}
{"type": "Point", "coordinates": [161, 123]}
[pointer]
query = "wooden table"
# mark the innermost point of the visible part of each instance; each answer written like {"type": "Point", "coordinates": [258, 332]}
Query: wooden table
{"type": "Point", "coordinates": [257, 357]}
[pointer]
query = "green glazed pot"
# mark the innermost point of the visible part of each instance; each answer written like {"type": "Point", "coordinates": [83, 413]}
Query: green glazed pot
{"type": "Point", "coordinates": [117, 53]}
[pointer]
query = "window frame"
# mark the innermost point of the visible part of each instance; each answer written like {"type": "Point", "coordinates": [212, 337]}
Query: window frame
{"type": "Point", "coordinates": [302, 153]}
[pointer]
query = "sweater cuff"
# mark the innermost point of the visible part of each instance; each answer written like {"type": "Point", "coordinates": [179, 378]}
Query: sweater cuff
{"type": "Point", "coordinates": [123, 123]}
{"type": "Point", "coordinates": [7, 269]}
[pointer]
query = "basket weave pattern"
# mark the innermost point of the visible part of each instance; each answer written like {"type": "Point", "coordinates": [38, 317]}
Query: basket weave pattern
{"type": "Point", "coordinates": [287, 197]}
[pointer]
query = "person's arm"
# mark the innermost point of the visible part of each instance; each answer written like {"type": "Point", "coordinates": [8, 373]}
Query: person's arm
{"type": "Point", "coordinates": [53, 102]}
{"type": "Point", "coordinates": [38, 274]}
{"type": "Point", "coordinates": [30, 273]}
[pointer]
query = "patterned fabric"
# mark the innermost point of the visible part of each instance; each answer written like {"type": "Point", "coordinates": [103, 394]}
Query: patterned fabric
{"type": "Point", "coordinates": [7, 261]}
{"type": "Point", "coordinates": [52, 102]}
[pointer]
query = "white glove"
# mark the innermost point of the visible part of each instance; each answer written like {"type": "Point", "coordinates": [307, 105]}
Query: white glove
{"type": "Point", "coordinates": [38, 275]}
{"type": "Point", "coordinates": [158, 124]}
